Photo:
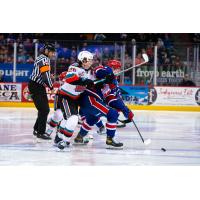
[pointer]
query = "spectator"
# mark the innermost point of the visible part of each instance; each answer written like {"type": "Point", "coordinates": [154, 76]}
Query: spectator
{"type": "Point", "coordinates": [64, 53]}
{"type": "Point", "coordinates": [138, 59]}
{"type": "Point", "coordinates": [9, 59]}
{"type": "Point", "coordinates": [72, 60]}
{"type": "Point", "coordinates": [123, 36]}
{"type": "Point", "coordinates": [106, 53]}
{"type": "Point", "coordinates": [128, 61]}
{"type": "Point", "coordinates": [30, 59]}
{"type": "Point", "coordinates": [2, 41]}
{"type": "Point", "coordinates": [73, 52]}
{"type": "Point", "coordinates": [21, 58]}
{"type": "Point", "coordinates": [87, 36]}
{"type": "Point", "coordinates": [96, 61]}
{"type": "Point", "coordinates": [99, 37]}
{"type": "Point", "coordinates": [85, 47]}
{"type": "Point", "coordinates": [186, 81]}
{"type": "Point", "coordinates": [160, 43]}
{"type": "Point", "coordinates": [28, 46]}
{"type": "Point", "coordinates": [178, 63]}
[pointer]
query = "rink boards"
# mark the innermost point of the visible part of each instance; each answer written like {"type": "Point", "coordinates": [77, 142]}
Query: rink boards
{"type": "Point", "coordinates": [132, 107]}
{"type": "Point", "coordinates": [136, 97]}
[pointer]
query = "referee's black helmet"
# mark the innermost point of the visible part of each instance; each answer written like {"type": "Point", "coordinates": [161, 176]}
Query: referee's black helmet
{"type": "Point", "coordinates": [49, 47]}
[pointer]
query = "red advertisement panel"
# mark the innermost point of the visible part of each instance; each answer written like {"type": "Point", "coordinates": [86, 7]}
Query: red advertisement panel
{"type": "Point", "coordinates": [26, 97]}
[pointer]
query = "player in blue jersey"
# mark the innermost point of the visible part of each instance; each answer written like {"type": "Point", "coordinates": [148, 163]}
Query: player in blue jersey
{"type": "Point", "coordinates": [109, 88]}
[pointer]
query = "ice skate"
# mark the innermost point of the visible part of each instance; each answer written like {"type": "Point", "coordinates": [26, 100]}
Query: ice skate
{"type": "Point", "coordinates": [80, 140]}
{"type": "Point", "coordinates": [49, 131]}
{"type": "Point", "coordinates": [113, 144]}
{"type": "Point", "coordinates": [35, 133]}
{"type": "Point", "coordinates": [57, 140]}
{"type": "Point", "coordinates": [43, 137]}
{"type": "Point", "coordinates": [63, 144]}
{"type": "Point", "coordinates": [102, 130]}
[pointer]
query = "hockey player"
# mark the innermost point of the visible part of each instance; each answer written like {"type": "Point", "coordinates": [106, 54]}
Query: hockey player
{"type": "Point", "coordinates": [101, 128]}
{"type": "Point", "coordinates": [93, 107]}
{"type": "Point", "coordinates": [109, 89]}
{"type": "Point", "coordinates": [56, 118]}
{"type": "Point", "coordinates": [66, 105]}
{"type": "Point", "coordinates": [110, 92]}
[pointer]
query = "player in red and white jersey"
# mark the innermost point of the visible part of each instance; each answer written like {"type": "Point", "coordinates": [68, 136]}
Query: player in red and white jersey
{"type": "Point", "coordinates": [66, 104]}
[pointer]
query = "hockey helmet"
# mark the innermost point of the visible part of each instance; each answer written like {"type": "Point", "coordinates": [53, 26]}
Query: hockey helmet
{"type": "Point", "coordinates": [49, 47]}
{"type": "Point", "coordinates": [114, 64]}
{"type": "Point", "coordinates": [85, 56]}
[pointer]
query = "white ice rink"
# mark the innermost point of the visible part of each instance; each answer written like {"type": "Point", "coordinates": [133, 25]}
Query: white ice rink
{"type": "Point", "coordinates": [177, 132]}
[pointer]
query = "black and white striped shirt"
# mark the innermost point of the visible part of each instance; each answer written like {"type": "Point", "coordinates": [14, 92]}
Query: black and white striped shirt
{"type": "Point", "coordinates": [41, 71]}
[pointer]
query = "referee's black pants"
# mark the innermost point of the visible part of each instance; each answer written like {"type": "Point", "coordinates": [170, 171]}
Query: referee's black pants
{"type": "Point", "coordinates": [39, 96]}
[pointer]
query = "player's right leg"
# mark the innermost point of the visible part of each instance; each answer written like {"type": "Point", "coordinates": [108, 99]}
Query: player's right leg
{"type": "Point", "coordinates": [54, 121]}
{"type": "Point", "coordinates": [67, 126]}
{"type": "Point", "coordinates": [66, 131]}
{"type": "Point", "coordinates": [101, 128]}
{"type": "Point", "coordinates": [86, 126]}
{"type": "Point", "coordinates": [95, 107]}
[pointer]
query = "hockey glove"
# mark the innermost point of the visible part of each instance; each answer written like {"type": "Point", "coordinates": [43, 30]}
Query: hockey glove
{"type": "Point", "coordinates": [99, 85]}
{"type": "Point", "coordinates": [110, 78]}
{"type": "Point", "coordinates": [130, 116]}
{"type": "Point", "coordinates": [88, 83]}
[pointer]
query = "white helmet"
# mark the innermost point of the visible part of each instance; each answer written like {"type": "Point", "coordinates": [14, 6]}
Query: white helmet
{"type": "Point", "coordinates": [85, 55]}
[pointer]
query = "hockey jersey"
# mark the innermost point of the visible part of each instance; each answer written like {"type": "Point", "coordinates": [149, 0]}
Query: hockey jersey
{"type": "Point", "coordinates": [111, 89]}
{"type": "Point", "coordinates": [73, 80]}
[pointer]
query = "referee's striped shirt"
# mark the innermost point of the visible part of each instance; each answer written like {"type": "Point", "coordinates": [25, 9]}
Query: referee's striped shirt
{"type": "Point", "coordinates": [41, 71]}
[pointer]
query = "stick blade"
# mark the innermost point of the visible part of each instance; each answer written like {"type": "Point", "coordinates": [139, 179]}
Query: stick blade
{"type": "Point", "coordinates": [147, 142]}
{"type": "Point", "coordinates": [145, 57]}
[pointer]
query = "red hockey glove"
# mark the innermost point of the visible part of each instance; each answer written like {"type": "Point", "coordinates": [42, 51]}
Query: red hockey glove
{"type": "Point", "coordinates": [130, 116]}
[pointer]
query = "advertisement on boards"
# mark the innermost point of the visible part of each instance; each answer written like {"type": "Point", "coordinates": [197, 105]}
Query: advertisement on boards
{"type": "Point", "coordinates": [10, 92]}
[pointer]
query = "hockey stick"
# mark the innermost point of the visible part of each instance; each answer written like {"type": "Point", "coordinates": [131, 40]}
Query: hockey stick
{"type": "Point", "coordinates": [145, 58]}
{"type": "Point", "coordinates": [126, 121]}
{"type": "Point", "coordinates": [122, 125]}
{"type": "Point", "coordinates": [146, 142]}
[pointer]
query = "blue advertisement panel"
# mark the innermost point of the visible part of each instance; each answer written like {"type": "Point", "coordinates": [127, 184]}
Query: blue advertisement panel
{"type": "Point", "coordinates": [23, 71]}
{"type": "Point", "coordinates": [135, 94]}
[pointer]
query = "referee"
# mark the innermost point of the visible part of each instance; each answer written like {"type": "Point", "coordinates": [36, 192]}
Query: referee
{"type": "Point", "coordinates": [40, 78]}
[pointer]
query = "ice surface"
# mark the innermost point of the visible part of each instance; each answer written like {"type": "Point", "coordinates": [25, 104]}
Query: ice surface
{"type": "Point", "coordinates": [177, 132]}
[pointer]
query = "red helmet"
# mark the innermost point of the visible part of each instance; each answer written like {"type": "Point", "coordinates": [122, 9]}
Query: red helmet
{"type": "Point", "coordinates": [114, 64]}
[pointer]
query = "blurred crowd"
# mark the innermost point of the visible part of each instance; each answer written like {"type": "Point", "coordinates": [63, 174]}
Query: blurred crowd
{"type": "Point", "coordinates": [69, 44]}
{"type": "Point", "coordinates": [104, 46]}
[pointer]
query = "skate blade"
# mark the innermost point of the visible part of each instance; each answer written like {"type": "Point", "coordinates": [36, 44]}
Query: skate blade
{"type": "Point", "coordinates": [80, 144]}
{"type": "Point", "coordinates": [55, 145]}
{"type": "Point", "coordinates": [114, 148]}
{"type": "Point", "coordinates": [101, 133]}
{"type": "Point", "coordinates": [66, 149]}
{"type": "Point", "coordinates": [39, 140]}
{"type": "Point", "coordinates": [58, 149]}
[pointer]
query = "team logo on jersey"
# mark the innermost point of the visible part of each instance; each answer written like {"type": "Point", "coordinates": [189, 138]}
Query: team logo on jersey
{"type": "Point", "coordinates": [79, 88]}
{"type": "Point", "coordinates": [75, 65]}
{"type": "Point", "coordinates": [82, 74]}
{"type": "Point", "coordinates": [72, 69]}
